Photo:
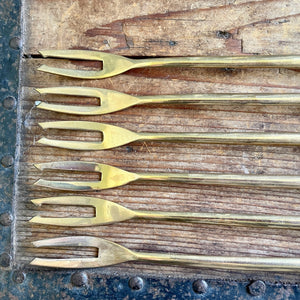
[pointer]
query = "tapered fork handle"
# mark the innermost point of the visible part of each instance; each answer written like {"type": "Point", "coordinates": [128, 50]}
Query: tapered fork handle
{"type": "Point", "coordinates": [257, 138]}
{"type": "Point", "coordinates": [223, 99]}
{"type": "Point", "coordinates": [271, 221]}
{"type": "Point", "coordinates": [280, 264]}
{"type": "Point", "coordinates": [227, 179]}
{"type": "Point", "coordinates": [282, 61]}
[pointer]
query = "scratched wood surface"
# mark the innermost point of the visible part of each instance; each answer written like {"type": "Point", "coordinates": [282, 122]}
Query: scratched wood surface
{"type": "Point", "coordinates": [166, 28]}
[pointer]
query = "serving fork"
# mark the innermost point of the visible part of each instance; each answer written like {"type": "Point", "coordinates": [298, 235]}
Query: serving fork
{"type": "Point", "coordinates": [114, 136]}
{"type": "Point", "coordinates": [115, 64]}
{"type": "Point", "coordinates": [113, 177]}
{"type": "Point", "coordinates": [112, 101]}
{"type": "Point", "coordinates": [110, 253]}
{"type": "Point", "coordinates": [107, 212]}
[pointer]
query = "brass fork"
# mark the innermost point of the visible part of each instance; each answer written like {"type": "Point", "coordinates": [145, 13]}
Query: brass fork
{"type": "Point", "coordinates": [115, 64]}
{"type": "Point", "coordinates": [114, 136]}
{"type": "Point", "coordinates": [110, 253]}
{"type": "Point", "coordinates": [113, 177]}
{"type": "Point", "coordinates": [107, 212]}
{"type": "Point", "coordinates": [112, 101]}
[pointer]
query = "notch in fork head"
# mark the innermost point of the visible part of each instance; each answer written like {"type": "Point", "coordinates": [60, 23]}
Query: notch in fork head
{"type": "Point", "coordinates": [109, 253]}
{"type": "Point", "coordinates": [112, 64]}
{"type": "Point", "coordinates": [106, 212]}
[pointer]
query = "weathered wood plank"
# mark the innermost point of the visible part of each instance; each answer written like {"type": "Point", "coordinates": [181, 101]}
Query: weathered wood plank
{"type": "Point", "coordinates": [165, 29]}
{"type": "Point", "coordinates": [147, 28]}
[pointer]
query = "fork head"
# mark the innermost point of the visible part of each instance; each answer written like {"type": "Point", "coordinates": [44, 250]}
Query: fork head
{"type": "Point", "coordinates": [107, 212]}
{"type": "Point", "coordinates": [113, 136]}
{"type": "Point", "coordinates": [109, 253]}
{"type": "Point", "coordinates": [110, 176]}
{"type": "Point", "coordinates": [110, 101]}
{"type": "Point", "coordinates": [112, 64]}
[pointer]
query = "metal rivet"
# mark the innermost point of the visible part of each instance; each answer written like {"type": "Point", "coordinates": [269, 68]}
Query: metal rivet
{"type": "Point", "coordinates": [6, 219]}
{"type": "Point", "coordinates": [7, 161]}
{"type": "Point", "coordinates": [14, 43]}
{"type": "Point", "coordinates": [136, 283]}
{"type": "Point", "coordinates": [9, 102]}
{"type": "Point", "coordinates": [18, 276]}
{"type": "Point", "coordinates": [200, 286]}
{"type": "Point", "coordinates": [257, 288]}
{"type": "Point", "coordinates": [5, 260]}
{"type": "Point", "coordinates": [79, 279]}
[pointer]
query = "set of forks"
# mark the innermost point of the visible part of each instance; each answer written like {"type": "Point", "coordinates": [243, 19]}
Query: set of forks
{"type": "Point", "coordinates": [107, 212]}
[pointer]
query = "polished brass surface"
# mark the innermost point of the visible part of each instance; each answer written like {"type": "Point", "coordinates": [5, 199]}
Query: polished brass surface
{"type": "Point", "coordinates": [112, 101]}
{"type": "Point", "coordinates": [107, 212]}
{"type": "Point", "coordinates": [114, 136]}
{"type": "Point", "coordinates": [110, 253]}
{"type": "Point", "coordinates": [113, 177]}
{"type": "Point", "coordinates": [115, 64]}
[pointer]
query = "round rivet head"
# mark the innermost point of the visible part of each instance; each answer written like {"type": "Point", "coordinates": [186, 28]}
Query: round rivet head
{"type": "Point", "coordinates": [79, 279]}
{"type": "Point", "coordinates": [6, 219]}
{"type": "Point", "coordinates": [7, 161]}
{"type": "Point", "coordinates": [9, 102]}
{"type": "Point", "coordinates": [18, 276]}
{"type": "Point", "coordinates": [200, 286]}
{"type": "Point", "coordinates": [14, 43]}
{"type": "Point", "coordinates": [136, 283]}
{"type": "Point", "coordinates": [257, 288]}
{"type": "Point", "coordinates": [5, 260]}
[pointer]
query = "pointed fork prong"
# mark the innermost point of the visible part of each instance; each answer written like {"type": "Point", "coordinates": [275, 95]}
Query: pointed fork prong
{"type": "Point", "coordinates": [71, 200]}
{"type": "Point", "coordinates": [109, 253]}
{"type": "Point", "coordinates": [72, 91]}
{"type": "Point", "coordinates": [112, 64]}
{"type": "Point", "coordinates": [71, 166]}
{"type": "Point", "coordinates": [76, 241]}
{"type": "Point", "coordinates": [72, 54]}
{"type": "Point", "coordinates": [110, 176]}
{"type": "Point", "coordinates": [74, 145]}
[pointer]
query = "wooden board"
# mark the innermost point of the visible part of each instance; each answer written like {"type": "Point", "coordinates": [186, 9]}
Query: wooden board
{"type": "Point", "coordinates": [161, 28]}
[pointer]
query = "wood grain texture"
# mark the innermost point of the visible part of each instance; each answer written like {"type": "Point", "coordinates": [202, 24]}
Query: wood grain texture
{"type": "Point", "coordinates": [166, 28]}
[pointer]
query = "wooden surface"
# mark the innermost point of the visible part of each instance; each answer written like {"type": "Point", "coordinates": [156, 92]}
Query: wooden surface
{"type": "Point", "coordinates": [166, 28]}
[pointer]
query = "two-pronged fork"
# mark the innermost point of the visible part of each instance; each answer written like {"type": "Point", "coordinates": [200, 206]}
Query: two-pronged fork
{"type": "Point", "coordinates": [112, 101]}
{"type": "Point", "coordinates": [110, 253]}
{"type": "Point", "coordinates": [115, 64]}
{"type": "Point", "coordinates": [114, 136]}
{"type": "Point", "coordinates": [107, 212]}
{"type": "Point", "coordinates": [113, 177]}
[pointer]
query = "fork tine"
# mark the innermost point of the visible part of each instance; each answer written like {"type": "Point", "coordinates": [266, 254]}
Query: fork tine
{"type": "Point", "coordinates": [69, 109]}
{"type": "Point", "coordinates": [72, 54]}
{"type": "Point", "coordinates": [75, 145]}
{"type": "Point", "coordinates": [77, 241]}
{"type": "Point", "coordinates": [71, 166]}
{"type": "Point", "coordinates": [74, 91]}
{"type": "Point", "coordinates": [70, 185]}
{"type": "Point", "coordinates": [72, 145]}
{"type": "Point", "coordinates": [71, 200]}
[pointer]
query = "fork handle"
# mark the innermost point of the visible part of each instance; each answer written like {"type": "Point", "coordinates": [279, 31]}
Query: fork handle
{"type": "Point", "coordinates": [281, 264]}
{"type": "Point", "coordinates": [224, 99]}
{"type": "Point", "coordinates": [227, 179]}
{"type": "Point", "coordinates": [254, 138]}
{"type": "Point", "coordinates": [271, 221]}
{"type": "Point", "coordinates": [255, 61]}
